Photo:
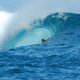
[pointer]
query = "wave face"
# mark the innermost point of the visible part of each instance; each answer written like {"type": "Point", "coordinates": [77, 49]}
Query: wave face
{"type": "Point", "coordinates": [46, 28]}
{"type": "Point", "coordinates": [58, 59]}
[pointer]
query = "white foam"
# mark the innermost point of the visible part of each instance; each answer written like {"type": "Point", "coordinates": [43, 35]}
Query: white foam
{"type": "Point", "coordinates": [5, 18]}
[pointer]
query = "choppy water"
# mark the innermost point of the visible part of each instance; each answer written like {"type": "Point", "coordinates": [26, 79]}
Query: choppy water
{"type": "Point", "coordinates": [58, 59]}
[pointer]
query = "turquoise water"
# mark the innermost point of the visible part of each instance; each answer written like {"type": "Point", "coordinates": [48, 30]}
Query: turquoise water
{"type": "Point", "coordinates": [58, 59]}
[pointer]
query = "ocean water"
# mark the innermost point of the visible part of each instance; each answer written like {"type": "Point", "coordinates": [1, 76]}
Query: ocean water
{"type": "Point", "coordinates": [57, 59]}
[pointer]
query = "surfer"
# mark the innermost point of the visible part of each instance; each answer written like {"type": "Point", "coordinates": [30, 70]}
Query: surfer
{"type": "Point", "coordinates": [44, 40]}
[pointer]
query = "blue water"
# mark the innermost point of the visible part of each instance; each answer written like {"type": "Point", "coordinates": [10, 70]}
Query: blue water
{"type": "Point", "coordinates": [58, 59]}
